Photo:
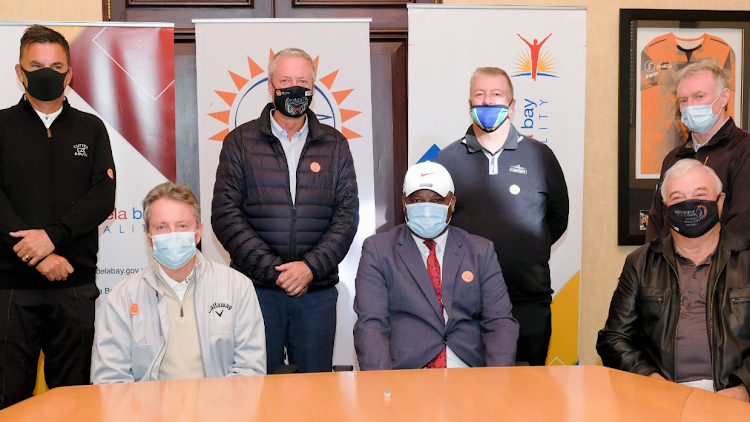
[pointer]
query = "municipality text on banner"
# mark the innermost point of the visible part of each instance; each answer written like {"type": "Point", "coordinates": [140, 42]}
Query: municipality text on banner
{"type": "Point", "coordinates": [233, 89]}
{"type": "Point", "coordinates": [543, 50]}
{"type": "Point", "coordinates": [123, 74]}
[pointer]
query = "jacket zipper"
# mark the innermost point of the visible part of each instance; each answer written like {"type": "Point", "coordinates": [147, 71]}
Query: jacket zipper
{"type": "Point", "coordinates": [674, 341]}
{"type": "Point", "coordinates": [711, 325]}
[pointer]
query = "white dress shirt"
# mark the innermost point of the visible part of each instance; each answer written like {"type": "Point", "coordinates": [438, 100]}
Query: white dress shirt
{"type": "Point", "coordinates": [292, 149]}
{"type": "Point", "coordinates": [452, 361]}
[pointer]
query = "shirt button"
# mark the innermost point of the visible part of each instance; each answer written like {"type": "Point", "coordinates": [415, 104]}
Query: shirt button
{"type": "Point", "coordinates": [693, 275]}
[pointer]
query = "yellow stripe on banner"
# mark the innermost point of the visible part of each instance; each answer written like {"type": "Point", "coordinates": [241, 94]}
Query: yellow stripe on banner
{"type": "Point", "coordinates": [563, 346]}
{"type": "Point", "coordinates": [41, 384]}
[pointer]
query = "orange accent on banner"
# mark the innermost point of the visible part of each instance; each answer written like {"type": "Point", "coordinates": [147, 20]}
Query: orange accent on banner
{"type": "Point", "coordinates": [315, 62]}
{"type": "Point", "coordinates": [270, 56]}
{"type": "Point", "coordinates": [348, 114]}
{"type": "Point", "coordinates": [228, 97]}
{"type": "Point", "coordinates": [328, 79]}
{"type": "Point", "coordinates": [340, 96]}
{"type": "Point", "coordinates": [239, 81]}
{"type": "Point", "coordinates": [255, 70]}
{"type": "Point", "coordinates": [348, 134]}
{"type": "Point", "coordinates": [220, 136]}
{"type": "Point", "coordinates": [222, 116]}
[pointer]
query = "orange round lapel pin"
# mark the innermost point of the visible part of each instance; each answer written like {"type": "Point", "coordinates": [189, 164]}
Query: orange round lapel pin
{"type": "Point", "coordinates": [467, 276]}
{"type": "Point", "coordinates": [315, 167]}
{"type": "Point", "coordinates": [133, 309]}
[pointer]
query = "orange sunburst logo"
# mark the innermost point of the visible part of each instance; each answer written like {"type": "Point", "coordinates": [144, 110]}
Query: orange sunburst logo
{"type": "Point", "coordinates": [535, 61]}
{"type": "Point", "coordinates": [252, 94]}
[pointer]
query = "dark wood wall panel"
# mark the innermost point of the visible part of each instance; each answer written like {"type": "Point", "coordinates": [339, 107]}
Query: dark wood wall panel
{"type": "Point", "coordinates": [349, 3]}
{"type": "Point", "coordinates": [388, 63]}
{"type": "Point", "coordinates": [188, 3]}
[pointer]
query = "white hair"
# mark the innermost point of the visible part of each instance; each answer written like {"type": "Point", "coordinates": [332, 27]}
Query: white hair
{"type": "Point", "coordinates": [680, 168]}
{"type": "Point", "coordinates": [290, 52]}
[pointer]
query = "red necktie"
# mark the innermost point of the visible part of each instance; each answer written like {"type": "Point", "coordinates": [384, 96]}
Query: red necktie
{"type": "Point", "coordinates": [433, 269]}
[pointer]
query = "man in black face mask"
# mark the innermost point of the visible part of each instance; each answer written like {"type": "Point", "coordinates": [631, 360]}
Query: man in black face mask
{"type": "Point", "coordinates": [286, 209]}
{"type": "Point", "coordinates": [57, 184]}
{"type": "Point", "coordinates": [681, 311]}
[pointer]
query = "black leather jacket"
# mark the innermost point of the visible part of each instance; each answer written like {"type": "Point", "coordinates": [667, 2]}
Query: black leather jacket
{"type": "Point", "coordinates": [640, 333]}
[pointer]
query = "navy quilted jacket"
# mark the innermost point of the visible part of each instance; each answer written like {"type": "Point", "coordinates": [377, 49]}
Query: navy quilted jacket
{"type": "Point", "coordinates": [252, 212]}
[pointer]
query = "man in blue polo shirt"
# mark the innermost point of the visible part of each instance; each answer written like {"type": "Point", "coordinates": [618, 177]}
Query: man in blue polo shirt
{"type": "Point", "coordinates": [513, 192]}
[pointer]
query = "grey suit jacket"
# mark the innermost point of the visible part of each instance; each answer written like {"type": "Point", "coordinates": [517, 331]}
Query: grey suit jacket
{"type": "Point", "coordinates": [400, 325]}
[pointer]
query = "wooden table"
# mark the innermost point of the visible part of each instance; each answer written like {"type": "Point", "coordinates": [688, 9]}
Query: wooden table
{"type": "Point", "coordinates": [573, 393]}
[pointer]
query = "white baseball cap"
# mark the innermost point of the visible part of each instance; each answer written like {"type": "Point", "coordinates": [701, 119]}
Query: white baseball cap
{"type": "Point", "coordinates": [428, 175]}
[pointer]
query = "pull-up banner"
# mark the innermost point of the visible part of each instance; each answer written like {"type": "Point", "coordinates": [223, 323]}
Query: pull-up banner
{"type": "Point", "coordinates": [124, 74]}
{"type": "Point", "coordinates": [232, 61]}
{"type": "Point", "coordinates": [543, 50]}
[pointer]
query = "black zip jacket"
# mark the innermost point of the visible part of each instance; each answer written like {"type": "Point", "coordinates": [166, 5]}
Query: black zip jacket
{"type": "Point", "coordinates": [728, 154]}
{"type": "Point", "coordinates": [252, 211]}
{"type": "Point", "coordinates": [61, 180]}
{"type": "Point", "coordinates": [640, 333]}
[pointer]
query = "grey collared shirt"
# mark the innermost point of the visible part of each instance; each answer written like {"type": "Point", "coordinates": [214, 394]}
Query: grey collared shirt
{"type": "Point", "coordinates": [693, 350]}
{"type": "Point", "coordinates": [292, 150]}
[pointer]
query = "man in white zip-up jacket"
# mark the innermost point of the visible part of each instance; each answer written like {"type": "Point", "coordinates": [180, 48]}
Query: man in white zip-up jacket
{"type": "Point", "coordinates": [183, 316]}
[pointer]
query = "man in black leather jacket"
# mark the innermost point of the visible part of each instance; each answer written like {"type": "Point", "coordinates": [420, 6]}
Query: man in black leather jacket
{"type": "Point", "coordinates": [681, 310]}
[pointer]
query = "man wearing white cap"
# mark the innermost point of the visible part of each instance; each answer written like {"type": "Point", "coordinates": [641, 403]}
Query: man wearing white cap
{"type": "Point", "coordinates": [430, 295]}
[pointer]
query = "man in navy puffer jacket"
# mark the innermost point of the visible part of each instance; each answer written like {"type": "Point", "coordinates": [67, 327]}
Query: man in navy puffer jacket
{"type": "Point", "coordinates": [286, 209]}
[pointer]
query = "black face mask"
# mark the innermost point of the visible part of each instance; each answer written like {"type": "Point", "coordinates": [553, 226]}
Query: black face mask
{"type": "Point", "coordinates": [292, 101]}
{"type": "Point", "coordinates": [45, 84]}
{"type": "Point", "coordinates": [694, 217]}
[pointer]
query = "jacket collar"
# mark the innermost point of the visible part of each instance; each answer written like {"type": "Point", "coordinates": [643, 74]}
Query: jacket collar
{"type": "Point", "coordinates": [729, 242]}
{"type": "Point", "coordinates": [153, 268]}
{"type": "Point", "coordinates": [722, 136]}
{"type": "Point", "coordinates": [315, 129]}
{"type": "Point", "coordinates": [473, 145]}
{"type": "Point", "coordinates": [26, 107]}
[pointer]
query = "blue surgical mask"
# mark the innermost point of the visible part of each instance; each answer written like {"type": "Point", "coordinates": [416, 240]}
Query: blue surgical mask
{"type": "Point", "coordinates": [174, 250]}
{"type": "Point", "coordinates": [426, 220]}
{"type": "Point", "coordinates": [699, 118]}
{"type": "Point", "coordinates": [489, 117]}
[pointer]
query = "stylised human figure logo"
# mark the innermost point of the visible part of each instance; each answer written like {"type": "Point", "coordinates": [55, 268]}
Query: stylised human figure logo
{"type": "Point", "coordinates": [534, 53]}
{"type": "Point", "coordinates": [535, 62]}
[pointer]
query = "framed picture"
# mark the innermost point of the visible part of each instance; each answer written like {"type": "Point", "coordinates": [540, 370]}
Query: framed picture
{"type": "Point", "coordinates": [654, 46]}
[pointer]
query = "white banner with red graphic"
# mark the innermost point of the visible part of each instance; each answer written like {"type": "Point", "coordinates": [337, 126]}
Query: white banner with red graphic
{"type": "Point", "coordinates": [232, 61]}
{"type": "Point", "coordinates": [543, 50]}
{"type": "Point", "coordinates": [124, 74]}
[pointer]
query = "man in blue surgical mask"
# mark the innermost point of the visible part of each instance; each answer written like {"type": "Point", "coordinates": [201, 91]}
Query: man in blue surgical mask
{"type": "Point", "coordinates": [715, 140]}
{"type": "Point", "coordinates": [513, 192]}
{"type": "Point", "coordinates": [429, 295]}
{"type": "Point", "coordinates": [183, 316]}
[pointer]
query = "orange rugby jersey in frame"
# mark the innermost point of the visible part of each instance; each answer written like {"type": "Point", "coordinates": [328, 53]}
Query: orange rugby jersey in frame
{"type": "Point", "coordinates": [661, 59]}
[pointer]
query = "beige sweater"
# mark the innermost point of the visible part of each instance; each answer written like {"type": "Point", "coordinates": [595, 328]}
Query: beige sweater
{"type": "Point", "coordinates": [182, 360]}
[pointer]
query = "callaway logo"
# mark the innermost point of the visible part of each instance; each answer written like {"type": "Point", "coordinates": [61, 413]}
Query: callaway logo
{"type": "Point", "coordinates": [80, 150]}
{"type": "Point", "coordinates": [219, 305]}
{"type": "Point", "coordinates": [518, 169]}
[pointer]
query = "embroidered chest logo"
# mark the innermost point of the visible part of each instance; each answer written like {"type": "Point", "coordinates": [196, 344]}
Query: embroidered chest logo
{"type": "Point", "coordinates": [518, 169]}
{"type": "Point", "coordinates": [80, 150]}
{"type": "Point", "coordinates": [216, 306]}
